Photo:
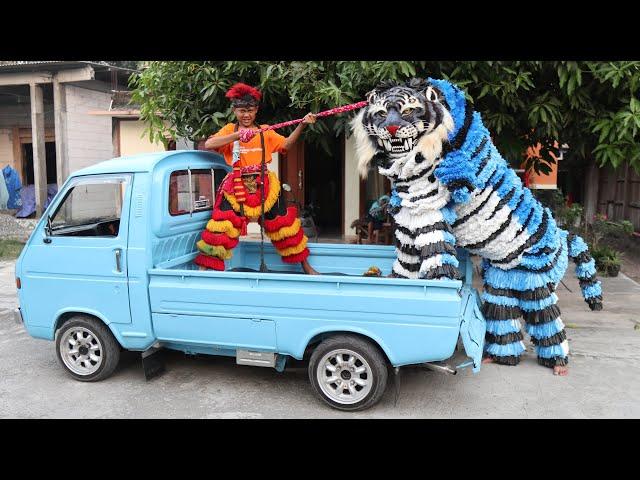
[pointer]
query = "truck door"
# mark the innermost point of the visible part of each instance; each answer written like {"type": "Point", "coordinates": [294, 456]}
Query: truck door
{"type": "Point", "coordinates": [77, 259]}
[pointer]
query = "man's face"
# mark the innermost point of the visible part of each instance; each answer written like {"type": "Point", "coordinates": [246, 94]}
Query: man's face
{"type": "Point", "coordinates": [246, 115]}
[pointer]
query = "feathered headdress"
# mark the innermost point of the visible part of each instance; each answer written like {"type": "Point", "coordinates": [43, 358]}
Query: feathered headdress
{"type": "Point", "coordinates": [242, 95]}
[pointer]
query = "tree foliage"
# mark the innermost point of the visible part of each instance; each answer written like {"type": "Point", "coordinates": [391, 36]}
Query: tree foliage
{"type": "Point", "coordinates": [591, 106]}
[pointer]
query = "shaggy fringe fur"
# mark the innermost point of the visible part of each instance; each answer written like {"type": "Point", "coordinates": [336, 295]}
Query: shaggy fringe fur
{"type": "Point", "coordinates": [364, 147]}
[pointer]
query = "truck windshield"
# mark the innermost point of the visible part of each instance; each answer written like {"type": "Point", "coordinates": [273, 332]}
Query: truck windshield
{"type": "Point", "coordinates": [91, 208]}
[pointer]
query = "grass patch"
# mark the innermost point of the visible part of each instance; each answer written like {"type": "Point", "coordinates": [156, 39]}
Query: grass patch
{"type": "Point", "coordinates": [10, 249]}
{"type": "Point", "coordinates": [572, 325]}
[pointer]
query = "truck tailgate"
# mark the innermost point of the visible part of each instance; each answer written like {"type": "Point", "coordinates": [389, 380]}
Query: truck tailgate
{"type": "Point", "coordinates": [472, 327]}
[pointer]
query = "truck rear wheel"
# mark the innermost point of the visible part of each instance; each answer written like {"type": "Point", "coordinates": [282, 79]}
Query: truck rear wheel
{"type": "Point", "coordinates": [348, 373]}
{"type": "Point", "coordinates": [86, 348]}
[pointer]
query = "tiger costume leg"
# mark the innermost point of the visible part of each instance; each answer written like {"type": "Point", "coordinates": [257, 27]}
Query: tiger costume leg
{"type": "Point", "coordinates": [425, 246]}
{"type": "Point", "coordinates": [503, 338]}
{"type": "Point", "coordinates": [423, 213]}
{"type": "Point", "coordinates": [527, 290]}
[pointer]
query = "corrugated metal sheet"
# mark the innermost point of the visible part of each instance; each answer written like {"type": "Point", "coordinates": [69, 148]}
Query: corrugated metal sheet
{"type": "Point", "coordinates": [18, 65]}
{"type": "Point", "coordinates": [2, 63]}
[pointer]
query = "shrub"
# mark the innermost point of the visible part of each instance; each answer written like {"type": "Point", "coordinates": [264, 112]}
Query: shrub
{"type": "Point", "coordinates": [608, 260]}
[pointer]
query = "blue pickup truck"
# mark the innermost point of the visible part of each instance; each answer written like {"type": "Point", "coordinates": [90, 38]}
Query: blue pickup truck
{"type": "Point", "coordinates": [109, 267]}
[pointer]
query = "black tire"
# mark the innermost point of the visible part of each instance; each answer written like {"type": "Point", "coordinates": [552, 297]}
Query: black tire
{"type": "Point", "coordinates": [362, 348]}
{"type": "Point", "coordinates": [109, 353]}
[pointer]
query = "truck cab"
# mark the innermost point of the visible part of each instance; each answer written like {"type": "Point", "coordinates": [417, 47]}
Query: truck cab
{"type": "Point", "coordinates": [109, 267]}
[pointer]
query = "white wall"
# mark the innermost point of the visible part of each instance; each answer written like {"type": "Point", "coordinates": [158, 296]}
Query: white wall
{"type": "Point", "coordinates": [89, 138]}
{"type": "Point", "coordinates": [132, 140]}
{"type": "Point", "coordinates": [351, 186]}
{"type": "Point", "coordinates": [183, 144]}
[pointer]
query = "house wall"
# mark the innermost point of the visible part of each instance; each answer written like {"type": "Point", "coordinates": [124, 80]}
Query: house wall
{"type": "Point", "coordinates": [20, 116]}
{"type": "Point", "coordinates": [89, 137]}
{"type": "Point", "coordinates": [542, 181]}
{"type": "Point", "coordinates": [133, 141]}
{"type": "Point", "coordinates": [351, 186]}
{"type": "Point", "coordinates": [17, 116]}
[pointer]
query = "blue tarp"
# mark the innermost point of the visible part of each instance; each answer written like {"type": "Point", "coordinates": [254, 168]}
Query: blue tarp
{"type": "Point", "coordinates": [12, 180]}
{"type": "Point", "coordinates": [28, 195]}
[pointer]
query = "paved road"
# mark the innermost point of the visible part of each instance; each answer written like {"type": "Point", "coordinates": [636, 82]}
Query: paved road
{"type": "Point", "coordinates": [604, 381]}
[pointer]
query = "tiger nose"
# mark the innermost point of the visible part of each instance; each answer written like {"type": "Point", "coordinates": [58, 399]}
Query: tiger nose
{"type": "Point", "coordinates": [392, 129]}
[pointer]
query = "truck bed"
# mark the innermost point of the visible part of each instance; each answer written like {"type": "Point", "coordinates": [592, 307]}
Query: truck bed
{"type": "Point", "coordinates": [413, 321]}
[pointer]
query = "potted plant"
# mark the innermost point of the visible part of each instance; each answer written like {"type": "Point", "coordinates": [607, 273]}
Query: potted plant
{"type": "Point", "coordinates": [607, 259]}
{"type": "Point", "coordinates": [573, 215]}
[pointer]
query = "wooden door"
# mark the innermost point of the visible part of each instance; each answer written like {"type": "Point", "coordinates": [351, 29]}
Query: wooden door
{"type": "Point", "coordinates": [292, 172]}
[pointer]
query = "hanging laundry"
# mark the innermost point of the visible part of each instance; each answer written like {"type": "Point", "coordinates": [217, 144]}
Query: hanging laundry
{"type": "Point", "coordinates": [13, 184]}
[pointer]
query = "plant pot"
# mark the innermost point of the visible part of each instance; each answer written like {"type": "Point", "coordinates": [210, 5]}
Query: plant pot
{"type": "Point", "coordinates": [613, 270]}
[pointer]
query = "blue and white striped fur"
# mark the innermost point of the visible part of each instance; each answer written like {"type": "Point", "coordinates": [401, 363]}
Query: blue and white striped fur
{"type": "Point", "coordinates": [453, 188]}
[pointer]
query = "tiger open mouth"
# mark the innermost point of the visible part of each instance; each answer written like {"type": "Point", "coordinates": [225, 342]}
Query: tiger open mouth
{"type": "Point", "coordinates": [397, 145]}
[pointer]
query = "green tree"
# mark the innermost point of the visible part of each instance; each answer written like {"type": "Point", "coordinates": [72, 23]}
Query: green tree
{"type": "Point", "coordinates": [591, 106]}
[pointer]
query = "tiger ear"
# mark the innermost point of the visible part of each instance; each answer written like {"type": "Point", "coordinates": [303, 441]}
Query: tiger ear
{"type": "Point", "coordinates": [372, 96]}
{"type": "Point", "coordinates": [432, 94]}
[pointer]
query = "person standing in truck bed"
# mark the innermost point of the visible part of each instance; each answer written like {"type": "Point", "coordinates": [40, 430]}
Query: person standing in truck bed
{"type": "Point", "coordinates": [239, 199]}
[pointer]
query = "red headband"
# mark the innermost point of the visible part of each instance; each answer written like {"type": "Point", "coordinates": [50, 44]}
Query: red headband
{"type": "Point", "coordinates": [241, 93]}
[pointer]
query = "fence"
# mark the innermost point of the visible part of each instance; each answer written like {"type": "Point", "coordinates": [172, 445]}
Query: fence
{"type": "Point", "coordinates": [619, 194]}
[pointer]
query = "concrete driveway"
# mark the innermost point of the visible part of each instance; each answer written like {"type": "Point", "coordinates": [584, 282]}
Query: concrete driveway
{"type": "Point", "coordinates": [604, 379]}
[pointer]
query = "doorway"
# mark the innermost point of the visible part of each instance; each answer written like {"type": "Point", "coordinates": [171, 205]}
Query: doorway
{"type": "Point", "coordinates": [323, 185]}
{"type": "Point", "coordinates": [27, 163]}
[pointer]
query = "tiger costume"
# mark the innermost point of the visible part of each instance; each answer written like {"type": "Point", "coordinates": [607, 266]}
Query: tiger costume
{"type": "Point", "coordinates": [452, 188]}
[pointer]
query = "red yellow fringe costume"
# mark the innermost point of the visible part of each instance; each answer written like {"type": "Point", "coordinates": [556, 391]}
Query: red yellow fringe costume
{"type": "Point", "coordinates": [238, 202]}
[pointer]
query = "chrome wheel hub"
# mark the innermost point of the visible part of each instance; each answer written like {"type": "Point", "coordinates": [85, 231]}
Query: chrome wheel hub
{"type": "Point", "coordinates": [344, 376]}
{"type": "Point", "coordinates": [81, 351]}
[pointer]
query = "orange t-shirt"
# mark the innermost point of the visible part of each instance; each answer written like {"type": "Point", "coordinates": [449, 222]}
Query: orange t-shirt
{"type": "Point", "coordinates": [251, 151]}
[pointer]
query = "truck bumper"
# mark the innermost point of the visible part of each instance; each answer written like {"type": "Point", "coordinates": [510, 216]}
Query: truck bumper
{"type": "Point", "coordinates": [17, 316]}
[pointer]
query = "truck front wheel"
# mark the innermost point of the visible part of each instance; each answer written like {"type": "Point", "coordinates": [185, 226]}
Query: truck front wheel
{"type": "Point", "coordinates": [86, 349]}
{"type": "Point", "coordinates": [348, 373]}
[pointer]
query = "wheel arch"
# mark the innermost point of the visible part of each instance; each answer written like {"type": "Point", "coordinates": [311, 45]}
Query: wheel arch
{"type": "Point", "coordinates": [66, 315]}
{"type": "Point", "coordinates": [318, 337]}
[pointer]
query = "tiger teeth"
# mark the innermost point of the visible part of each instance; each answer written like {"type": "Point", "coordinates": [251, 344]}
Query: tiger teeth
{"type": "Point", "coordinates": [395, 144]}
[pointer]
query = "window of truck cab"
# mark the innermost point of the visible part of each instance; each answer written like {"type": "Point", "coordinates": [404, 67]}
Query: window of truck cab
{"type": "Point", "coordinates": [92, 207]}
{"type": "Point", "coordinates": [195, 194]}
